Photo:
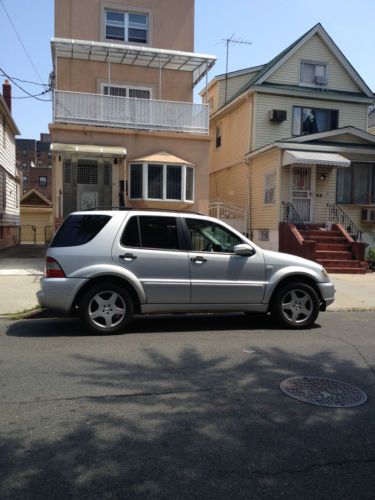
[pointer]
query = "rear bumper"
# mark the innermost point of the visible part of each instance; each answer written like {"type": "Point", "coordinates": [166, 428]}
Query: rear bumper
{"type": "Point", "coordinates": [58, 294]}
{"type": "Point", "coordinates": [327, 291]}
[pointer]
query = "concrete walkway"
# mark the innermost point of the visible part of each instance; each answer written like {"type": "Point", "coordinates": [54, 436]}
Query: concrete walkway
{"type": "Point", "coordinates": [21, 269]}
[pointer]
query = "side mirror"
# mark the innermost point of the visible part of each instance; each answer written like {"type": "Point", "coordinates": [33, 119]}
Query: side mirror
{"type": "Point", "coordinates": [244, 249]}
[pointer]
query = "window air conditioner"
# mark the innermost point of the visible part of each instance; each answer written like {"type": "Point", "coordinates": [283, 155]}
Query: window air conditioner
{"type": "Point", "coordinates": [277, 115]}
{"type": "Point", "coordinates": [320, 80]}
{"type": "Point", "coordinates": [368, 214]}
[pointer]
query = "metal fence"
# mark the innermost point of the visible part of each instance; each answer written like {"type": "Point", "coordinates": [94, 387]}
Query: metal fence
{"type": "Point", "coordinates": [133, 113]}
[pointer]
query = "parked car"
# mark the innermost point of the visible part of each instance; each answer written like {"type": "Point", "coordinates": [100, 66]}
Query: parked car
{"type": "Point", "coordinates": [114, 264]}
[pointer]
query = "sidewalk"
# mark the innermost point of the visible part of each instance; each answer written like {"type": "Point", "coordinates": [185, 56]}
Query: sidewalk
{"type": "Point", "coordinates": [22, 268]}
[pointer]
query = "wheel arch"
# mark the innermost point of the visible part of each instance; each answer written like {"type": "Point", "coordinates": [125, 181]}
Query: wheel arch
{"type": "Point", "coordinates": [294, 278]}
{"type": "Point", "coordinates": [105, 278]}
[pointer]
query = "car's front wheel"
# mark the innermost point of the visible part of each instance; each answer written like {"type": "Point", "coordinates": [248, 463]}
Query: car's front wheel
{"type": "Point", "coordinates": [295, 305]}
{"type": "Point", "coordinates": [106, 308]}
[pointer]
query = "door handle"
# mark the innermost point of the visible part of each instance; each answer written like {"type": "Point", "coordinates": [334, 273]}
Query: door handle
{"type": "Point", "coordinates": [198, 260]}
{"type": "Point", "coordinates": [128, 256]}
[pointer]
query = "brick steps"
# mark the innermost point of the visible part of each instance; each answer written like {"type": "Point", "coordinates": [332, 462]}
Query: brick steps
{"type": "Point", "coordinates": [334, 252]}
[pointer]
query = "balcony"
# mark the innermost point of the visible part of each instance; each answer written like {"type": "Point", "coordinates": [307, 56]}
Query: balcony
{"type": "Point", "coordinates": [130, 113]}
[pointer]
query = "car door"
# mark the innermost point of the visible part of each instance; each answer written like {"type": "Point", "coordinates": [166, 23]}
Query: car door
{"type": "Point", "coordinates": [150, 247]}
{"type": "Point", "coordinates": [218, 275]}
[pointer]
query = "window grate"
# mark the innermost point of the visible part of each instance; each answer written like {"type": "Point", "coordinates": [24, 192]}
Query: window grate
{"type": "Point", "coordinates": [87, 172]}
{"type": "Point", "coordinates": [67, 172]}
{"type": "Point", "coordinates": [107, 174]}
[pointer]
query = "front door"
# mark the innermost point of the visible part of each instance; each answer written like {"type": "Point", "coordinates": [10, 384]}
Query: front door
{"type": "Point", "coordinates": [302, 191]}
{"type": "Point", "coordinates": [218, 275]}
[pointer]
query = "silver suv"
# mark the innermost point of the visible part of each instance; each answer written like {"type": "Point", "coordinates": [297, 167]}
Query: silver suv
{"type": "Point", "coordinates": [113, 264]}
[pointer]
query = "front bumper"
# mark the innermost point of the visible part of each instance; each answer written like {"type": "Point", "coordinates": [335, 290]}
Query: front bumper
{"type": "Point", "coordinates": [327, 291]}
{"type": "Point", "coordinates": [58, 294]}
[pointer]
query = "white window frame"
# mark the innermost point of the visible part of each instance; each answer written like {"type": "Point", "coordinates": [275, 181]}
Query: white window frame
{"type": "Point", "coordinates": [164, 187]}
{"type": "Point", "coordinates": [126, 25]}
{"type": "Point", "coordinates": [315, 63]}
{"type": "Point", "coordinates": [124, 86]}
{"type": "Point", "coordinates": [268, 187]}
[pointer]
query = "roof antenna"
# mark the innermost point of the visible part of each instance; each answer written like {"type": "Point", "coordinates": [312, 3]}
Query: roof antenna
{"type": "Point", "coordinates": [235, 41]}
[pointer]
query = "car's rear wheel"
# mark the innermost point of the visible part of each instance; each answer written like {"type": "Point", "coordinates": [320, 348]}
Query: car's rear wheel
{"type": "Point", "coordinates": [106, 308]}
{"type": "Point", "coordinates": [295, 305]}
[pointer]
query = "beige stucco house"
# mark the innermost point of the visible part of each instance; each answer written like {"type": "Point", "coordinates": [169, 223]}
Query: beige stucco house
{"type": "Point", "coordinates": [125, 130]}
{"type": "Point", "coordinates": [291, 146]}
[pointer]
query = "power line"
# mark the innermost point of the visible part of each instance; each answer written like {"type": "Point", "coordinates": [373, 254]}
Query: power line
{"type": "Point", "coordinates": [21, 88]}
{"type": "Point", "coordinates": [34, 95]}
{"type": "Point", "coordinates": [30, 82]}
{"type": "Point", "coordinates": [20, 40]}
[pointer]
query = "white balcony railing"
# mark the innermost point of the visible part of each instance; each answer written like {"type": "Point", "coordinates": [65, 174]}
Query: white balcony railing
{"type": "Point", "coordinates": [125, 112]}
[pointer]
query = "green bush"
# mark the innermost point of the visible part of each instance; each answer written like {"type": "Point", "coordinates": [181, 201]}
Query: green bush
{"type": "Point", "coordinates": [371, 254]}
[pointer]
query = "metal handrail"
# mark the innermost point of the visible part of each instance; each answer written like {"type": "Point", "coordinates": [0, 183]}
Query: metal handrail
{"type": "Point", "coordinates": [291, 216]}
{"type": "Point", "coordinates": [337, 215]}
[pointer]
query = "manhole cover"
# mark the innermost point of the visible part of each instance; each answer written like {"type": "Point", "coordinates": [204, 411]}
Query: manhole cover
{"type": "Point", "coordinates": [323, 392]}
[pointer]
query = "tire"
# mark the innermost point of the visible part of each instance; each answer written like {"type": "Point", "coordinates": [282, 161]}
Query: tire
{"type": "Point", "coordinates": [106, 308]}
{"type": "Point", "coordinates": [295, 305]}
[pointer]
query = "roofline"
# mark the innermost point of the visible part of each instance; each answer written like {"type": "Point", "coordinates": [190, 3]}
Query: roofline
{"type": "Point", "coordinates": [233, 103]}
{"type": "Point", "coordinates": [232, 74]}
{"type": "Point", "coordinates": [8, 115]}
{"type": "Point", "coordinates": [329, 133]}
{"type": "Point", "coordinates": [307, 147]}
{"type": "Point", "coordinates": [318, 29]}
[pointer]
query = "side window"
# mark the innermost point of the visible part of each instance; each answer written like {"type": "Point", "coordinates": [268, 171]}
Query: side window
{"type": "Point", "coordinates": [206, 236]}
{"type": "Point", "coordinates": [151, 232]}
{"type": "Point", "coordinates": [130, 236]}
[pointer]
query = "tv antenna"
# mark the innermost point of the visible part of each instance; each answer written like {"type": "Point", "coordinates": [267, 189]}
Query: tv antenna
{"type": "Point", "coordinates": [234, 41]}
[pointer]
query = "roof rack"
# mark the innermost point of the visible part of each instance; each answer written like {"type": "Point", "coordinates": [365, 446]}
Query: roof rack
{"type": "Point", "coordinates": [140, 209]}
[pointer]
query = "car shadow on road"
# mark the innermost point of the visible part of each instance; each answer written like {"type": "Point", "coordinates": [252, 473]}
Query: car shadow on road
{"type": "Point", "coordinates": [166, 323]}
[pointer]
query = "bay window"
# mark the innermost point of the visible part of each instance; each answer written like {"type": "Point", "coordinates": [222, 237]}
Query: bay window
{"type": "Point", "coordinates": [356, 184]}
{"type": "Point", "coordinates": [154, 181]}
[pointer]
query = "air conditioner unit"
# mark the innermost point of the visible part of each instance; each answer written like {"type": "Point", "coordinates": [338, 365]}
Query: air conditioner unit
{"type": "Point", "coordinates": [368, 214]}
{"type": "Point", "coordinates": [320, 80]}
{"type": "Point", "coordinates": [277, 115]}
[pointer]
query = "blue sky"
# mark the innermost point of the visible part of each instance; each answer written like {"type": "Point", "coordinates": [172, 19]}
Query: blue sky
{"type": "Point", "coordinates": [270, 24]}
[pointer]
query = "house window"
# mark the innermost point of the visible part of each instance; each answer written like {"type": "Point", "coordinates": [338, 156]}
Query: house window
{"type": "Point", "coordinates": [313, 120]}
{"type": "Point", "coordinates": [313, 74]}
{"type": "Point", "coordinates": [269, 188]}
{"type": "Point", "coordinates": [25, 181]}
{"type": "Point", "coordinates": [126, 26]}
{"type": "Point", "coordinates": [3, 180]}
{"type": "Point", "coordinates": [264, 235]}
{"type": "Point", "coordinates": [42, 181]}
{"type": "Point", "coordinates": [124, 91]}
{"type": "Point", "coordinates": [356, 184]}
{"type": "Point", "coordinates": [154, 181]}
{"type": "Point", "coordinates": [218, 136]}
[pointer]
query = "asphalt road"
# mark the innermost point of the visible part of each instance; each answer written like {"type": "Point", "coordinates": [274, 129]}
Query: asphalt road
{"type": "Point", "coordinates": [176, 409]}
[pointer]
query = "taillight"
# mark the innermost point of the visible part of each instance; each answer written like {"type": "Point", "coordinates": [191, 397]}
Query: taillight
{"type": "Point", "coordinates": [53, 269]}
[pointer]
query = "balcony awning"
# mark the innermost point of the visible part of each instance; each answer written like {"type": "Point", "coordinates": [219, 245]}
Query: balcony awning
{"type": "Point", "coordinates": [314, 158]}
{"type": "Point", "coordinates": [198, 64]}
{"type": "Point", "coordinates": [88, 149]}
{"type": "Point", "coordinates": [164, 158]}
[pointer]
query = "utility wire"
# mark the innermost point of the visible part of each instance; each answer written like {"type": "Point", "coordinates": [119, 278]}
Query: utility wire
{"type": "Point", "coordinates": [28, 81]}
{"type": "Point", "coordinates": [21, 42]}
{"type": "Point", "coordinates": [34, 95]}
{"type": "Point", "coordinates": [21, 88]}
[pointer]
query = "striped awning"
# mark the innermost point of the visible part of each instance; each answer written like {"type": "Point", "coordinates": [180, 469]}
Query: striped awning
{"type": "Point", "coordinates": [314, 158]}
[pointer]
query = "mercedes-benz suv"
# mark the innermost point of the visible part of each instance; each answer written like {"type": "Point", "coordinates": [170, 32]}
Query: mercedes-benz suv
{"type": "Point", "coordinates": [114, 264]}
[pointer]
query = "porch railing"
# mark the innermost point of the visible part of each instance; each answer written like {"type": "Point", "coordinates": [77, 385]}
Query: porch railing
{"type": "Point", "coordinates": [338, 216]}
{"type": "Point", "coordinates": [126, 112]}
{"type": "Point", "coordinates": [291, 216]}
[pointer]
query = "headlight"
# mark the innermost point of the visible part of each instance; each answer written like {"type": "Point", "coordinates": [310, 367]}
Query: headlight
{"type": "Point", "coordinates": [324, 273]}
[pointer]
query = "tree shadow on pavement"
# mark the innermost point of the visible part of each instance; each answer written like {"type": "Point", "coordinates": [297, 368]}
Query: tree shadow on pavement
{"type": "Point", "coordinates": [191, 427]}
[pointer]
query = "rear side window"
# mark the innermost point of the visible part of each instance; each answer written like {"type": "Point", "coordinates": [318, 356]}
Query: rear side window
{"type": "Point", "coordinates": [151, 232]}
{"type": "Point", "coordinates": [79, 229]}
